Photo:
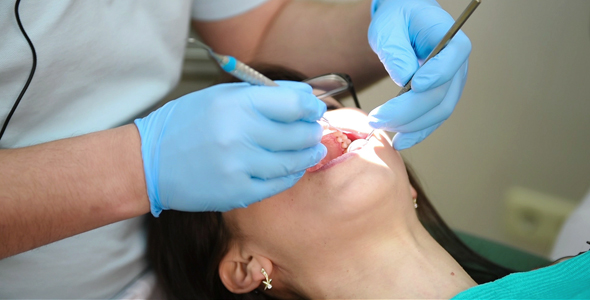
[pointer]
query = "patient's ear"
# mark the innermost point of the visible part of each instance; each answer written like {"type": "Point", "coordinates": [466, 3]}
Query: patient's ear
{"type": "Point", "coordinates": [413, 192]}
{"type": "Point", "coordinates": [240, 272]}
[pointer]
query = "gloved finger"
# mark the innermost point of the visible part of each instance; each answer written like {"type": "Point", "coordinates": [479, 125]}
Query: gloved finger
{"type": "Point", "coordinates": [292, 101]}
{"type": "Point", "coordinates": [403, 141]}
{"type": "Point", "coordinates": [442, 111]}
{"type": "Point", "coordinates": [427, 26]}
{"type": "Point", "coordinates": [406, 108]}
{"type": "Point", "coordinates": [279, 164]}
{"type": "Point", "coordinates": [275, 136]}
{"type": "Point", "coordinates": [443, 67]}
{"type": "Point", "coordinates": [394, 47]}
{"type": "Point", "coordinates": [266, 188]}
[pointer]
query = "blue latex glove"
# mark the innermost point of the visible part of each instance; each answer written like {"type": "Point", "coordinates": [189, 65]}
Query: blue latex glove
{"type": "Point", "coordinates": [229, 145]}
{"type": "Point", "coordinates": [403, 33]}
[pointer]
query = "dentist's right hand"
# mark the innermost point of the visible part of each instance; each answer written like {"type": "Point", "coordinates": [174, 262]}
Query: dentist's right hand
{"type": "Point", "coordinates": [229, 145]}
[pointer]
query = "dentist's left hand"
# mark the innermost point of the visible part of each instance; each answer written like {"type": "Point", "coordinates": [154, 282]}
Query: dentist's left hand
{"type": "Point", "coordinates": [229, 145]}
{"type": "Point", "coordinates": [403, 33]}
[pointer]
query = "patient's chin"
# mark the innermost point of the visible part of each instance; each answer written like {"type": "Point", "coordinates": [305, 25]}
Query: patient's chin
{"type": "Point", "coordinates": [360, 192]}
{"type": "Point", "coordinates": [362, 183]}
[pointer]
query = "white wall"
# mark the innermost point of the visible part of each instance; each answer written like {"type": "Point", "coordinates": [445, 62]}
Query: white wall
{"type": "Point", "coordinates": [524, 118]}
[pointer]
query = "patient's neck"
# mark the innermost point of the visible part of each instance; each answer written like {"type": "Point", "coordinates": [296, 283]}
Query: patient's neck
{"type": "Point", "coordinates": [410, 265]}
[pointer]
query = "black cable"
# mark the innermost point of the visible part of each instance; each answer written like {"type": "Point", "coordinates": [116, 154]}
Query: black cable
{"type": "Point", "coordinates": [22, 92]}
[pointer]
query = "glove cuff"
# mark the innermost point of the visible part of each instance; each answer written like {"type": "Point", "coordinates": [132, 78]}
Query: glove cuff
{"type": "Point", "coordinates": [155, 210]}
{"type": "Point", "coordinates": [151, 184]}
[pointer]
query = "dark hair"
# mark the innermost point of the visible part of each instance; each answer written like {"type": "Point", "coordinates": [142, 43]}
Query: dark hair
{"type": "Point", "coordinates": [185, 249]}
{"type": "Point", "coordinates": [479, 268]}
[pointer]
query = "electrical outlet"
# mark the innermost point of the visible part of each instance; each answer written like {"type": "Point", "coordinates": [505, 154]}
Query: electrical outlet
{"type": "Point", "coordinates": [534, 216]}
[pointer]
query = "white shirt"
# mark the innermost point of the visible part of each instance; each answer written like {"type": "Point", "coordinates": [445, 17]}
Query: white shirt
{"type": "Point", "coordinates": [100, 65]}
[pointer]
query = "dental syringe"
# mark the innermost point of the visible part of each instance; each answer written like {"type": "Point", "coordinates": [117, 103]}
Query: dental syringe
{"type": "Point", "coordinates": [242, 71]}
{"type": "Point", "coordinates": [357, 144]}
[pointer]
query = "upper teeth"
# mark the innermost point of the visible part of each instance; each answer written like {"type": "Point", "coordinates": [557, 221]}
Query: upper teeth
{"type": "Point", "coordinates": [342, 138]}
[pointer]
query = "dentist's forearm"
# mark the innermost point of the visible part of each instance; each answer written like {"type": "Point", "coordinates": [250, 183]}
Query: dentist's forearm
{"type": "Point", "coordinates": [59, 189]}
{"type": "Point", "coordinates": [311, 37]}
{"type": "Point", "coordinates": [324, 38]}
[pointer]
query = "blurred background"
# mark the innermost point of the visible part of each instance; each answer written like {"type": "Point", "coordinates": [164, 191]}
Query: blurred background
{"type": "Point", "coordinates": [514, 159]}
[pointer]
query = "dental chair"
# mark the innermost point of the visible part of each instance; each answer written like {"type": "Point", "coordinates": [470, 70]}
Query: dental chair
{"type": "Point", "coordinates": [502, 254]}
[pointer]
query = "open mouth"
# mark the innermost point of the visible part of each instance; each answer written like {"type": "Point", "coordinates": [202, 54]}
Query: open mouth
{"type": "Point", "coordinates": [337, 142]}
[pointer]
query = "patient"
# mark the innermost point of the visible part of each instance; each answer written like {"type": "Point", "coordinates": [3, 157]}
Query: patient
{"type": "Point", "coordinates": [357, 226]}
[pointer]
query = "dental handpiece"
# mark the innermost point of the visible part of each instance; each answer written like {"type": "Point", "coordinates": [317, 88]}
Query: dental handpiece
{"type": "Point", "coordinates": [240, 70]}
{"type": "Point", "coordinates": [235, 67]}
{"type": "Point", "coordinates": [357, 144]}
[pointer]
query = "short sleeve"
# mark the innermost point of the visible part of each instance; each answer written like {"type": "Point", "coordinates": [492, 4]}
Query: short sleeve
{"type": "Point", "coordinates": [215, 10]}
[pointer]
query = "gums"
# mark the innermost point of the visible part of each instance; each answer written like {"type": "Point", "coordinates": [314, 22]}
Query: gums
{"type": "Point", "coordinates": [334, 146]}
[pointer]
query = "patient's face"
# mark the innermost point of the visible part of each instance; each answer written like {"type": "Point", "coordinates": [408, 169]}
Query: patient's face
{"type": "Point", "coordinates": [356, 195]}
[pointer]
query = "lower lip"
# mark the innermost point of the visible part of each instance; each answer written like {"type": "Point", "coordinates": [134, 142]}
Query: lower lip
{"type": "Point", "coordinates": [337, 160]}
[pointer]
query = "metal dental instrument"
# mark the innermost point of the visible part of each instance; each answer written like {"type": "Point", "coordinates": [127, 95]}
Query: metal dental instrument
{"type": "Point", "coordinates": [357, 144]}
{"type": "Point", "coordinates": [242, 71]}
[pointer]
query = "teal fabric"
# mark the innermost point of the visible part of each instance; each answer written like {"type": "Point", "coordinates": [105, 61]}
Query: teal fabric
{"type": "Point", "coordinates": [503, 254]}
{"type": "Point", "coordinates": [566, 280]}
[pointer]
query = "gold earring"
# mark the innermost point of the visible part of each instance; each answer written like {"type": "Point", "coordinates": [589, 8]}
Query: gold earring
{"type": "Point", "coordinates": [267, 285]}
{"type": "Point", "coordinates": [415, 203]}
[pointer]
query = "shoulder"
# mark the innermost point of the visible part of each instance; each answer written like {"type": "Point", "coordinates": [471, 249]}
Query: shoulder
{"type": "Point", "coordinates": [565, 280]}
